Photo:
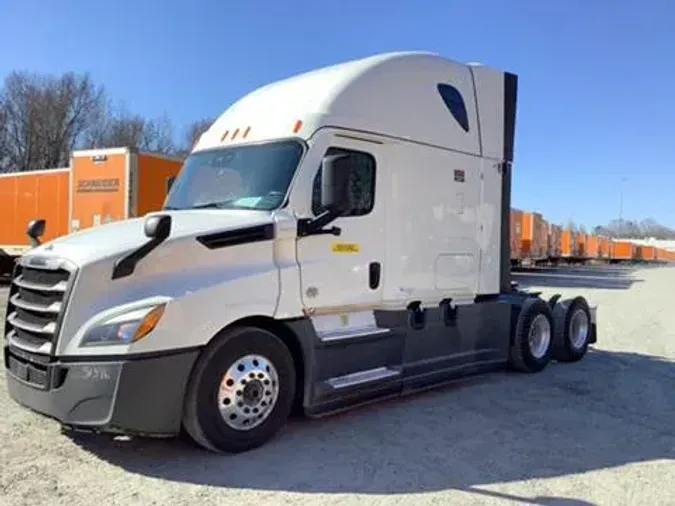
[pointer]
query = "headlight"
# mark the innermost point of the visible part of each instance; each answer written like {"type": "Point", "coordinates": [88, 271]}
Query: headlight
{"type": "Point", "coordinates": [126, 328]}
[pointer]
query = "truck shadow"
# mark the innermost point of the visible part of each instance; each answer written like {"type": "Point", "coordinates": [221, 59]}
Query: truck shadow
{"type": "Point", "coordinates": [609, 410]}
{"type": "Point", "coordinates": [607, 278]}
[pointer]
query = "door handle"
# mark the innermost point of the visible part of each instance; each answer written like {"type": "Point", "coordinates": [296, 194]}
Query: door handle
{"type": "Point", "coordinates": [374, 274]}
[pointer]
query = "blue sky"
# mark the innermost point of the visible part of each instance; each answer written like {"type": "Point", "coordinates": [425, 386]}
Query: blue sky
{"type": "Point", "coordinates": [597, 78]}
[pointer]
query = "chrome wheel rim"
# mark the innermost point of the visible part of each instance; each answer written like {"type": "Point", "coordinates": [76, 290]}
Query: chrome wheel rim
{"type": "Point", "coordinates": [540, 336]}
{"type": "Point", "coordinates": [248, 392]}
{"type": "Point", "coordinates": [579, 328]}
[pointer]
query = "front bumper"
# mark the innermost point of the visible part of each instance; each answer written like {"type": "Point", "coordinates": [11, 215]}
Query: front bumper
{"type": "Point", "coordinates": [142, 395]}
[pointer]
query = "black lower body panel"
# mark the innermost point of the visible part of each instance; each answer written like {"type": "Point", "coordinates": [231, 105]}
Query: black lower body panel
{"type": "Point", "coordinates": [344, 372]}
{"type": "Point", "coordinates": [356, 397]}
{"type": "Point", "coordinates": [434, 378]}
{"type": "Point", "coordinates": [395, 359]}
{"type": "Point", "coordinates": [137, 396]}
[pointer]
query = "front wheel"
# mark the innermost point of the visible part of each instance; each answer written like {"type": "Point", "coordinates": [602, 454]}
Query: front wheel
{"type": "Point", "coordinates": [241, 391]}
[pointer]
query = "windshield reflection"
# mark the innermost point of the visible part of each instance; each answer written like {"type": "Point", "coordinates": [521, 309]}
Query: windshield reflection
{"type": "Point", "coordinates": [238, 177]}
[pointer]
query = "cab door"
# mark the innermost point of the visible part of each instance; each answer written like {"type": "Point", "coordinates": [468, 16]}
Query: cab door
{"type": "Point", "coordinates": [343, 273]}
{"type": "Point", "coordinates": [341, 278]}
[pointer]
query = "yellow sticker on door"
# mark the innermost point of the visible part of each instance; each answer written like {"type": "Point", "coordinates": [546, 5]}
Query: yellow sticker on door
{"type": "Point", "coordinates": [345, 247]}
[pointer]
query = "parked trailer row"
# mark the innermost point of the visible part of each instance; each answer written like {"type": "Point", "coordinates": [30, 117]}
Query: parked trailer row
{"type": "Point", "coordinates": [99, 186]}
{"type": "Point", "coordinates": [535, 241]}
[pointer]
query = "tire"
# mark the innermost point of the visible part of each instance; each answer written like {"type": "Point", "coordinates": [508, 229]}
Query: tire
{"type": "Point", "coordinates": [535, 319]}
{"type": "Point", "coordinates": [222, 393]}
{"type": "Point", "coordinates": [572, 329]}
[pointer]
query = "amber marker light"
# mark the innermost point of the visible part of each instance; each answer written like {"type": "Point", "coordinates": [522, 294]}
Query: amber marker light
{"type": "Point", "coordinates": [149, 322]}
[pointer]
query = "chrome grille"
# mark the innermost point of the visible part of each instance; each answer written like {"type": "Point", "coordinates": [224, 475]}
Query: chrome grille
{"type": "Point", "coordinates": [36, 302]}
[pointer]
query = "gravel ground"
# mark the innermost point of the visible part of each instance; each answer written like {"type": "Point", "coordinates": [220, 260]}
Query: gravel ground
{"type": "Point", "coordinates": [598, 432]}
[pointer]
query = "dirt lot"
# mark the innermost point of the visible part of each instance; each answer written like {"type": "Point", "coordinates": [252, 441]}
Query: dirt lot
{"type": "Point", "coordinates": [598, 432]}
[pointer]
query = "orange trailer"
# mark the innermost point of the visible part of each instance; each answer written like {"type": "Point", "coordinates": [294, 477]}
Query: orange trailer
{"type": "Point", "coordinates": [603, 247]}
{"type": "Point", "coordinates": [569, 244]}
{"type": "Point", "coordinates": [648, 253]}
{"type": "Point", "coordinates": [592, 246]}
{"type": "Point", "coordinates": [554, 241]}
{"type": "Point", "coordinates": [116, 184]}
{"type": "Point", "coordinates": [534, 238]}
{"type": "Point", "coordinates": [662, 255]}
{"type": "Point", "coordinates": [26, 195]}
{"type": "Point", "coordinates": [582, 245]}
{"type": "Point", "coordinates": [516, 235]}
{"type": "Point", "coordinates": [100, 186]}
{"type": "Point", "coordinates": [622, 250]}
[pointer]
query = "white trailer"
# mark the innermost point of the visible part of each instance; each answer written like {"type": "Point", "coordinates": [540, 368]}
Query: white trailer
{"type": "Point", "coordinates": [333, 239]}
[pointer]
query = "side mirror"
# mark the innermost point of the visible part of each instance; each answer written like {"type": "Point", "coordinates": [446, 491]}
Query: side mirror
{"type": "Point", "coordinates": [336, 173]}
{"type": "Point", "coordinates": [35, 230]}
{"type": "Point", "coordinates": [157, 227]}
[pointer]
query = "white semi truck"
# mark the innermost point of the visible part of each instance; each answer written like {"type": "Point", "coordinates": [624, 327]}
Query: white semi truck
{"type": "Point", "coordinates": [334, 238]}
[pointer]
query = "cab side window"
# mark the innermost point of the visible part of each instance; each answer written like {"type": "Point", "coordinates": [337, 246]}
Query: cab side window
{"type": "Point", "coordinates": [362, 184]}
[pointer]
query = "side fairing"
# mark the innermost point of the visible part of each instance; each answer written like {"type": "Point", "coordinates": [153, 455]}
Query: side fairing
{"type": "Point", "coordinates": [432, 247]}
{"type": "Point", "coordinates": [490, 229]}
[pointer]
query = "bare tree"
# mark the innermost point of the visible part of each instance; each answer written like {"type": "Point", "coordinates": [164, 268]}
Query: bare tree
{"type": "Point", "coordinates": [45, 117]}
{"type": "Point", "coordinates": [196, 129]}
{"type": "Point", "coordinates": [124, 129]}
{"type": "Point", "coordinates": [4, 152]}
{"type": "Point", "coordinates": [571, 225]}
{"type": "Point", "coordinates": [159, 135]}
{"type": "Point", "coordinates": [19, 104]}
{"type": "Point", "coordinates": [192, 133]}
{"type": "Point", "coordinates": [636, 230]}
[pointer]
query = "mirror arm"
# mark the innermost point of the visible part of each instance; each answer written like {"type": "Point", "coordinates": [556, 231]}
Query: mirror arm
{"type": "Point", "coordinates": [314, 226]}
{"type": "Point", "coordinates": [158, 234]}
{"type": "Point", "coordinates": [124, 266]}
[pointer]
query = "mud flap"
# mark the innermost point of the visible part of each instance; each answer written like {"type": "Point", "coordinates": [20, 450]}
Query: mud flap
{"type": "Point", "coordinates": [593, 338]}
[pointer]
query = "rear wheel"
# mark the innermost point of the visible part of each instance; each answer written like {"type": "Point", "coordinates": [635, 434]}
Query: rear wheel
{"type": "Point", "coordinates": [531, 350]}
{"type": "Point", "coordinates": [572, 331]}
{"type": "Point", "coordinates": [241, 391]}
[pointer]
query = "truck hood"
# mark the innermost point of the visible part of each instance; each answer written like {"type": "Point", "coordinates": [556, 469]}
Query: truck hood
{"type": "Point", "coordinates": [112, 239]}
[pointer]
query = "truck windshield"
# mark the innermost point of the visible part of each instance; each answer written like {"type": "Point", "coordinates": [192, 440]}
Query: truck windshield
{"type": "Point", "coordinates": [237, 177]}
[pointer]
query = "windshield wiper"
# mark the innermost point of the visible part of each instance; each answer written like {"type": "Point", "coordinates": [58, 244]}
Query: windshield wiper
{"type": "Point", "coordinates": [221, 204]}
{"type": "Point", "coordinates": [213, 205]}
